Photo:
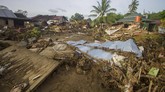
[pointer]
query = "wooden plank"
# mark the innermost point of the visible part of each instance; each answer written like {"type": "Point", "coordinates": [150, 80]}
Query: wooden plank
{"type": "Point", "coordinates": [36, 65]}
{"type": "Point", "coordinates": [40, 80]}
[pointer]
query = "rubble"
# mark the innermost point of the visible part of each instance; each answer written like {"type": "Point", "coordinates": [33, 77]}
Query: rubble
{"type": "Point", "coordinates": [153, 71]}
{"type": "Point", "coordinates": [2, 69]}
{"type": "Point", "coordinates": [48, 52]}
{"type": "Point", "coordinates": [109, 32]}
{"type": "Point", "coordinates": [32, 40]}
{"type": "Point", "coordinates": [60, 47]}
{"type": "Point", "coordinates": [23, 43]}
{"type": "Point", "coordinates": [119, 56]}
{"type": "Point", "coordinates": [19, 88]}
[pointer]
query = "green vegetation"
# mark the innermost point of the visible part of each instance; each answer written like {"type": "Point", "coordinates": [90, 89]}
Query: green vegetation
{"type": "Point", "coordinates": [155, 37]}
{"type": "Point", "coordinates": [113, 17]}
{"type": "Point", "coordinates": [102, 8]}
{"type": "Point", "coordinates": [77, 17]}
{"type": "Point", "coordinates": [157, 16]}
{"type": "Point", "coordinates": [133, 6]}
{"type": "Point", "coordinates": [35, 32]}
{"type": "Point", "coordinates": [163, 23]}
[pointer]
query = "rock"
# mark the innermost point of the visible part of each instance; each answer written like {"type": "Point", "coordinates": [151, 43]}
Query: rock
{"type": "Point", "coordinates": [60, 47]}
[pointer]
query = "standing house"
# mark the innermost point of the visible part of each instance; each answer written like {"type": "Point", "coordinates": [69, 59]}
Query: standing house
{"type": "Point", "coordinates": [10, 19]}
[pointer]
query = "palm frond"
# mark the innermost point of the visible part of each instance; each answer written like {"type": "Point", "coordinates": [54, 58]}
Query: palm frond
{"type": "Point", "coordinates": [94, 11]}
{"type": "Point", "coordinates": [96, 8]}
{"type": "Point", "coordinates": [107, 11]}
{"type": "Point", "coordinates": [93, 15]}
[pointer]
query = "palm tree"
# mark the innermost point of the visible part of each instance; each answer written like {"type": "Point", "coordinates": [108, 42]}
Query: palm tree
{"type": "Point", "coordinates": [133, 6]}
{"type": "Point", "coordinates": [102, 8]}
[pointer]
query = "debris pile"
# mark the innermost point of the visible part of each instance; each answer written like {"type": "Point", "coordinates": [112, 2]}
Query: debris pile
{"type": "Point", "coordinates": [141, 70]}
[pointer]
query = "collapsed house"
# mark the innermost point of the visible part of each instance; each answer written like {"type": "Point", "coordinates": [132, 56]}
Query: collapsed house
{"type": "Point", "coordinates": [141, 20]}
{"type": "Point", "coordinates": [49, 19]}
{"type": "Point", "coordinates": [10, 19]}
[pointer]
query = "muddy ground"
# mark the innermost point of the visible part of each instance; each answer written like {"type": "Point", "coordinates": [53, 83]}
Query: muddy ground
{"type": "Point", "coordinates": [66, 78]}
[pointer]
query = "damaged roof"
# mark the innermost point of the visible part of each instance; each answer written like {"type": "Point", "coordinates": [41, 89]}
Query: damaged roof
{"type": "Point", "coordinates": [47, 17]}
{"type": "Point", "coordinates": [5, 13]}
{"type": "Point", "coordinates": [131, 17]}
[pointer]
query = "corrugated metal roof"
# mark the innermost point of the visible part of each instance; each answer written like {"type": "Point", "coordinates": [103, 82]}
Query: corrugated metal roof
{"type": "Point", "coordinates": [131, 18]}
{"type": "Point", "coordinates": [7, 13]}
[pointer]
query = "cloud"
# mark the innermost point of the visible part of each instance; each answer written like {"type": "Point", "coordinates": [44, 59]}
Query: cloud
{"type": "Point", "coordinates": [62, 10]}
{"type": "Point", "coordinates": [57, 10]}
{"type": "Point", "coordinates": [53, 10]}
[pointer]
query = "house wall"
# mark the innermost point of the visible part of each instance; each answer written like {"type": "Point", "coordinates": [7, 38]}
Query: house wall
{"type": "Point", "coordinates": [2, 22]}
{"type": "Point", "coordinates": [10, 23]}
{"type": "Point", "coordinates": [7, 22]}
{"type": "Point", "coordinates": [18, 23]}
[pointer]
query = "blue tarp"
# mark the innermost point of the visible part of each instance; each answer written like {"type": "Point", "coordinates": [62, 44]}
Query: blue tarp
{"type": "Point", "coordinates": [93, 44]}
{"type": "Point", "coordinates": [100, 54]}
{"type": "Point", "coordinates": [74, 43]}
{"type": "Point", "coordinates": [82, 48]}
{"type": "Point", "coordinates": [128, 46]}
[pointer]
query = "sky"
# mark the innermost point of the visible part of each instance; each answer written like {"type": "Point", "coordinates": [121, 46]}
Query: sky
{"type": "Point", "coordinates": [70, 7]}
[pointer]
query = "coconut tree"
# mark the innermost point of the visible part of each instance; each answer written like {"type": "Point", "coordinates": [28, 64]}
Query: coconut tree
{"type": "Point", "coordinates": [133, 6]}
{"type": "Point", "coordinates": [102, 9]}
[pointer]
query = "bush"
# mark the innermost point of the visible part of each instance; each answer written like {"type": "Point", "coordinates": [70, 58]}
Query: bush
{"type": "Point", "coordinates": [163, 23]}
{"type": "Point", "coordinates": [35, 32]}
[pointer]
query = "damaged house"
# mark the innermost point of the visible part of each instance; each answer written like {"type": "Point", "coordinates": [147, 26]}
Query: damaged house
{"type": "Point", "coordinates": [139, 19]}
{"type": "Point", "coordinates": [49, 19]}
{"type": "Point", "coordinates": [10, 19]}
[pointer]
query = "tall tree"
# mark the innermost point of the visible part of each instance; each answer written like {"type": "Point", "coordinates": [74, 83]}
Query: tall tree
{"type": "Point", "coordinates": [102, 9]}
{"type": "Point", "coordinates": [77, 17]}
{"type": "Point", "coordinates": [133, 6]}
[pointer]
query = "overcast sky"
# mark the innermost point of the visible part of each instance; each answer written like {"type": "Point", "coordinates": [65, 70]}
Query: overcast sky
{"type": "Point", "coordinates": [69, 7]}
